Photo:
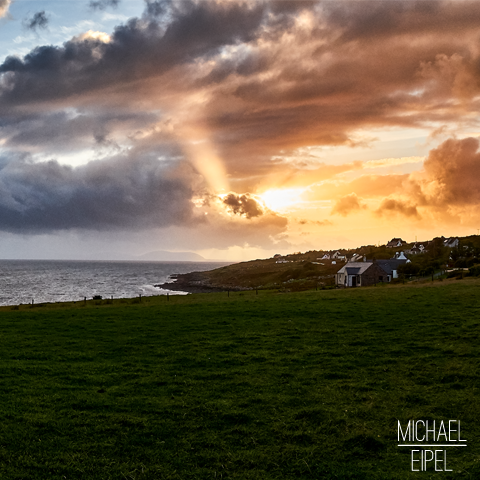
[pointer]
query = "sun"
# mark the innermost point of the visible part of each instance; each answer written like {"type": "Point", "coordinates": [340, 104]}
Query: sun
{"type": "Point", "coordinates": [281, 200]}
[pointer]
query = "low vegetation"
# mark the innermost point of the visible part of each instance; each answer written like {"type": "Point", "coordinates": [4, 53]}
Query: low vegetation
{"type": "Point", "coordinates": [299, 273]}
{"type": "Point", "coordinates": [306, 271]}
{"type": "Point", "coordinates": [239, 386]}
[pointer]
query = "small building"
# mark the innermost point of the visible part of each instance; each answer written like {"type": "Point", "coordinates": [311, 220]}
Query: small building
{"type": "Point", "coordinates": [358, 258]}
{"type": "Point", "coordinates": [357, 274]}
{"type": "Point", "coordinates": [395, 243]}
{"type": "Point", "coordinates": [416, 249]}
{"type": "Point", "coordinates": [338, 256]}
{"type": "Point", "coordinates": [401, 256]}
{"type": "Point", "coordinates": [390, 267]}
{"type": "Point", "coordinates": [451, 242]}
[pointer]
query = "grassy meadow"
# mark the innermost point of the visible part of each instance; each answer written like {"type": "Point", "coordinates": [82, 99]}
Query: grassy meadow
{"type": "Point", "coordinates": [305, 385]}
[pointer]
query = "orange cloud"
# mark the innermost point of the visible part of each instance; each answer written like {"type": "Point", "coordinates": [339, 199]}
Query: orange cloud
{"type": "Point", "coordinates": [348, 204]}
{"type": "Point", "coordinates": [390, 205]}
{"type": "Point", "coordinates": [447, 188]}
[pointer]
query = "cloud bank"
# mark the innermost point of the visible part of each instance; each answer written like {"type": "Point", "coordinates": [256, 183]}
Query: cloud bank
{"type": "Point", "coordinates": [226, 93]}
{"type": "Point", "coordinates": [118, 193]}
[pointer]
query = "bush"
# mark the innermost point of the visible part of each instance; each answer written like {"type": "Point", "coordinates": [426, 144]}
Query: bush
{"type": "Point", "coordinates": [409, 269]}
{"type": "Point", "coordinates": [474, 271]}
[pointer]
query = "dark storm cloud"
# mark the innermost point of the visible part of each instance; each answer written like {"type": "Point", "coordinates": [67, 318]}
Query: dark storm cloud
{"type": "Point", "coordinates": [243, 205]}
{"type": "Point", "coordinates": [120, 193]}
{"type": "Point", "coordinates": [103, 4]}
{"type": "Point", "coordinates": [38, 20]}
{"type": "Point", "coordinates": [155, 8]}
{"type": "Point", "coordinates": [137, 51]}
{"type": "Point", "coordinates": [63, 131]}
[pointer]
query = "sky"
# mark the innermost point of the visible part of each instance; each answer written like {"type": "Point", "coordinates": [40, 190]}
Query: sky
{"type": "Point", "coordinates": [235, 129]}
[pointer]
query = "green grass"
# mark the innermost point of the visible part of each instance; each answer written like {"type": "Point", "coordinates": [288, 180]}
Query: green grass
{"type": "Point", "coordinates": [269, 274]}
{"type": "Point", "coordinates": [272, 386]}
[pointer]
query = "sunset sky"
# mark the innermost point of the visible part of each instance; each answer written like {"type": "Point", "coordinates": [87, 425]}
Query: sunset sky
{"type": "Point", "coordinates": [235, 129]}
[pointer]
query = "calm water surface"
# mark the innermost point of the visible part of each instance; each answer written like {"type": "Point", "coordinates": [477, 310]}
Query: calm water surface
{"type": "Point", "coordinates": [22, 281]}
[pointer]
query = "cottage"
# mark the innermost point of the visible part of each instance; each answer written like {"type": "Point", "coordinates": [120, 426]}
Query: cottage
{"type": "Point", "coordinates": [395, 243]}
{"type": "Point", "coordinates": [390, 267]}
{"type": "Point", "coordinates": [338, 256]}
{"type": "Point", "coordinates": [356, 274]}
{"type": "Point", "coordinates": [416, 249]}
{"type": "Point", "coordinates": [451, 242]}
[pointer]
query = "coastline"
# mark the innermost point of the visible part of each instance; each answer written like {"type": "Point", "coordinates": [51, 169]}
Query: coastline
{"type": "Point", "coordinates": [195, 282]}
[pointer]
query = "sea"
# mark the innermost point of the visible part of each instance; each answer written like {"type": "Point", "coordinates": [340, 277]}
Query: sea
{"type": "Point", "coordinates": [40, 281]}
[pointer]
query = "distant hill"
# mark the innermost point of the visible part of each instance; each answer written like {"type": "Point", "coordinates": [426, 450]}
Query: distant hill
{"type": "Point", "coordinates": [165, 256]}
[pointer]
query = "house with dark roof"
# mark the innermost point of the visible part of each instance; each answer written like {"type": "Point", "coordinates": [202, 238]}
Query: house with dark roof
{"type": "Point", "coordinates": [416, 249]}
{"type": "Point", "coordinates": [390, 266]}
{"type": "Point", "coordinates": [370, 272]}
{"type": "Point", "coordinates": [395, 243]}
{"type": "Point", "coordinates": [357, 274]}
{"type": "Point", "coordinates": [451, 242]}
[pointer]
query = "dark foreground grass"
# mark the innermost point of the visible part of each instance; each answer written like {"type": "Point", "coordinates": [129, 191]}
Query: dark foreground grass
{"type": "Point", "coordinates": [275, 386]}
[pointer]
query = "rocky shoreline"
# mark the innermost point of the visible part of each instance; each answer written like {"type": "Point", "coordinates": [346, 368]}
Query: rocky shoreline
{"type": "Point", "coordinates": [194, 282]}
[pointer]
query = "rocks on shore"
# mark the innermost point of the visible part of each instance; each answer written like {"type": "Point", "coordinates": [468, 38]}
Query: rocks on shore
{"type": "Point", "coordinates": [195, 282]}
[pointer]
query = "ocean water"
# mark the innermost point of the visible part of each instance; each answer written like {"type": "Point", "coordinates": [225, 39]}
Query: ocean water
{"type": "Point", "coordinates": [24, 281]}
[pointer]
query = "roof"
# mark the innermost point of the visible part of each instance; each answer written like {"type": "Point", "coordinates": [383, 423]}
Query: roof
{"type": "Point", "coordinates": [395, 241]}
{"type": "Point", "coordinates": [450, 241]}
{"type": "Point", "coordinates": [355, 268]}
{"type": "Point", "coordinates": [388, 266]}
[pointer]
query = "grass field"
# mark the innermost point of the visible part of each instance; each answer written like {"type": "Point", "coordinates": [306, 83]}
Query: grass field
{"type": "Point", "coordinates": [303, 385]}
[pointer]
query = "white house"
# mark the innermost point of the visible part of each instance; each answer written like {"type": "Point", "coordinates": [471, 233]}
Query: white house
{"type": "Point", "coordinates": [395, 243]}
{"type": "Point", "coordinates": [451, 242]}
{"type": "Point", "coordinates": [416, 249]}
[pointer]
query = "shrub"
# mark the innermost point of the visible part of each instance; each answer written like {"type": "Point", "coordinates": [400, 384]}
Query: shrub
{"type": "Point", "coordinates": [474, 271]}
